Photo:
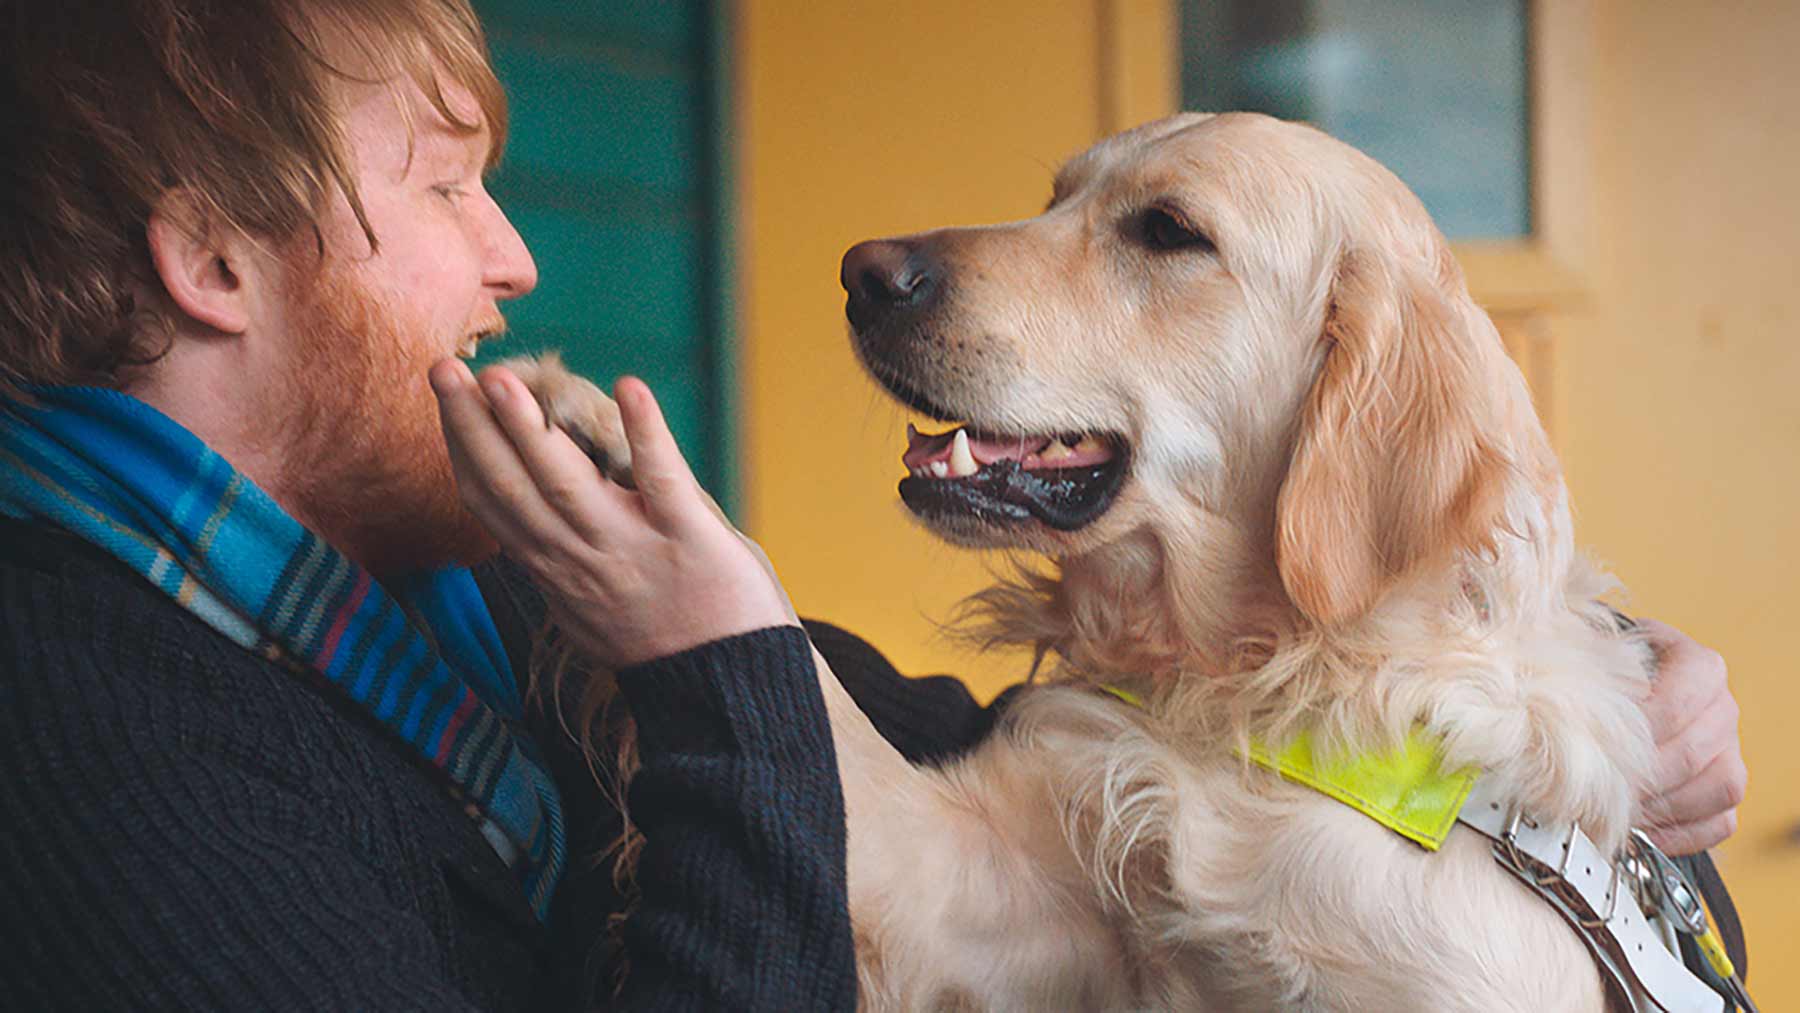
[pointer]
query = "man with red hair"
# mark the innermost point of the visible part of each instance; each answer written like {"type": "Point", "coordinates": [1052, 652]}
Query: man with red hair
{"type": "Point", "coordinates": [265, 742]}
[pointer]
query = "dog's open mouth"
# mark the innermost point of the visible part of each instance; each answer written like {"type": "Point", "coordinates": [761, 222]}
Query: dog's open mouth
{"type": "Point", "coordinates": [1063, 481]}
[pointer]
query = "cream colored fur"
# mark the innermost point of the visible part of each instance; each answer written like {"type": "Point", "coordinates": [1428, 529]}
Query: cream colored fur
{"type": "Point", "coordinates": [1341, 515]}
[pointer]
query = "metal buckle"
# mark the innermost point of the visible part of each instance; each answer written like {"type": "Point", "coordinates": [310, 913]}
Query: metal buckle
{"type": "Point", "coordinates": [1613, 890]}
{"type": "Point", "coordinates": [1662, 887]}
{"type": "Point", "coordinates": [1556, 879]}
{"type": "Point", "coordinates": [1666, 889]}
{"type": "Point", "coordinates": [1524, 864]}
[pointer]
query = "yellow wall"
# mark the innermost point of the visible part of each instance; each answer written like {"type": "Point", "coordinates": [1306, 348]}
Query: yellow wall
{"type": "Point", "coordinates": [1679, 402]}
{"type": "Point", "coordinates": [1677, 398]}
{"type": "Point", "coordinates": [864, 119]}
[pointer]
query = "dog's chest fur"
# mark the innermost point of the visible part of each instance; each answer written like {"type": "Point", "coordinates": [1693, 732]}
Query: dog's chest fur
{"type": "Point", "coordinates": [1231, 889]}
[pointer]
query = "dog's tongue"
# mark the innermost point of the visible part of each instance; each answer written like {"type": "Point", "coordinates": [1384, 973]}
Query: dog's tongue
{"type": "Point", "coordinates": [1031, 451]}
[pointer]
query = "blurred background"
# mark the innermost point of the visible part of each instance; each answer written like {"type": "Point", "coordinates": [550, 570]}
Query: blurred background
{"type": "Point", "coordinates": [1618, 176]}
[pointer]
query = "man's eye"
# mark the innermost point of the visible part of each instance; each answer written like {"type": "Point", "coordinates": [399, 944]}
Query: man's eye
{"type": "Point", "coordinates": [1162, 231]}
{"type": "Point", "coordinates": [449, 191]}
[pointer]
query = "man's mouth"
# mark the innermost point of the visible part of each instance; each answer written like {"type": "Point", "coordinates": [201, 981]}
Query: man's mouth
{"type": "Point", "coordinates": [1064, 481]}
{"type": "Point", "coordinates": [470, 345]}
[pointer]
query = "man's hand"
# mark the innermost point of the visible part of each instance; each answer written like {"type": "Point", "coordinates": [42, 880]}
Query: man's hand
{"type": "Point", "coordinates": [631, 574]}
{"type": "Point", "coordinates": [1700, 772]}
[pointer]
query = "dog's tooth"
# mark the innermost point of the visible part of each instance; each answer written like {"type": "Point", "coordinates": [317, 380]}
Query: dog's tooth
{"type": "Point", "coordinates": [939, 469]}
{"type": "Point", "coordinates": [1056, 451]}
{"type": "Point", "coordinates": [962, 462]}
{"type": "Point", "coordinates": [1088, 444]}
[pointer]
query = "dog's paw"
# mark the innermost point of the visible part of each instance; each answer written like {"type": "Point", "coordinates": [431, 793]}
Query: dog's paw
{"type": "Point", "coordinates": [577, 407]}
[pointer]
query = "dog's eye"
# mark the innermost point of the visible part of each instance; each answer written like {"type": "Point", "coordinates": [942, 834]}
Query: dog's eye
{"type": "Point", "coordinates": [1162, 230]}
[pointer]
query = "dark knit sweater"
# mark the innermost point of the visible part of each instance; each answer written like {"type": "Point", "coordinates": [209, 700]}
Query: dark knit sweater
{"type": "Point", "coordinates": [186, 826]}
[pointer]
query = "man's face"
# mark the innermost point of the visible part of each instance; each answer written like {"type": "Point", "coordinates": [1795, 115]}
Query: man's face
{"type": "Point", "coordinates": [367, 467]}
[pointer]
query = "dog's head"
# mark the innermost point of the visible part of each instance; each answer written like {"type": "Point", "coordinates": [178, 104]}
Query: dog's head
{"type": "Point", "coordinates": [1229, 338]}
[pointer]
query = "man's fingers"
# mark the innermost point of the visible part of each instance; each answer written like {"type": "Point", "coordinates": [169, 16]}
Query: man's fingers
{"type": "Point", "coordinates": [565, 477]}
{"type": "Point", "coordinates": [1711, 734]}
{"type": "Point", "coordinates": [1721, 786]}
{"type": "Point", "coordinates": [1689, 677]}
{"type": "Point", "coordinates": [671, 494]}
{"type": "Point", "coordinates": [491, 478]}
{"type": "Point", "coordinates": [468, 424]}
{"type": "Point", "coordinates": [1692, 838]}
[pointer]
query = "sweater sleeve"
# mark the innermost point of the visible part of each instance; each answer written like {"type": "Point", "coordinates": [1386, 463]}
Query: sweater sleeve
{"type": "Point", "coordinates": [929, 719]}
{"type": "Point", "coordinates": [743, 904]}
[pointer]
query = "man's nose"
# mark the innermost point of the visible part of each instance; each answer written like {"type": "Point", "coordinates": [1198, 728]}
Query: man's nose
{"type": "Point", "coordinates": [508, 268]}
{"type": "Point", "coordinates": [886, 278]}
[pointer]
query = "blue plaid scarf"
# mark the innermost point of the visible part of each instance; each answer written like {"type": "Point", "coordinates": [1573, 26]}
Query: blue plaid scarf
{"type": "Point", "coordinates": [130, 480]}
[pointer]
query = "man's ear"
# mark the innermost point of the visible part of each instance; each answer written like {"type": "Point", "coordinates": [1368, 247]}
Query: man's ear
{"type": "Point", "coordinates": [201, 263]}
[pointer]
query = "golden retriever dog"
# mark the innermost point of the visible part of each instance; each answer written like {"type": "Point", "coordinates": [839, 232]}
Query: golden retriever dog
{"type": "Point", "coordinates": [1232, 383]}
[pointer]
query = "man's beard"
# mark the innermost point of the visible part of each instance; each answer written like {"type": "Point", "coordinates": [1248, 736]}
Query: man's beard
{"type": "Point", "coordinates": [367, 468]}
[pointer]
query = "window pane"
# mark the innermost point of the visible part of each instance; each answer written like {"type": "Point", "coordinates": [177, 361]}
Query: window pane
{"type": "Point", "coordinates": [1434, 89]}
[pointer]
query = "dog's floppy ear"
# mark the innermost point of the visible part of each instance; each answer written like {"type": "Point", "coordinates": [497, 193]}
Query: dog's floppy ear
{"type": "Point", "coordinates": [1400, 455]}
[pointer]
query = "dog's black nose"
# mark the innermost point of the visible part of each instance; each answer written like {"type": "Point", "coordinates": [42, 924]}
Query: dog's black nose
{"type": "Point", "coordinates": [883, 276]}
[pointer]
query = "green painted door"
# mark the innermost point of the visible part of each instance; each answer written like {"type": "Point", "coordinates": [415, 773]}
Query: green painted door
{"type": "Point", "coordinates": [615, 173]}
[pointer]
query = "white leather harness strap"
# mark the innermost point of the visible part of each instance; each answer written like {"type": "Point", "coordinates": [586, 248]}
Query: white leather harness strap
{"type": "Point", "coordinates": [1561, 865]}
